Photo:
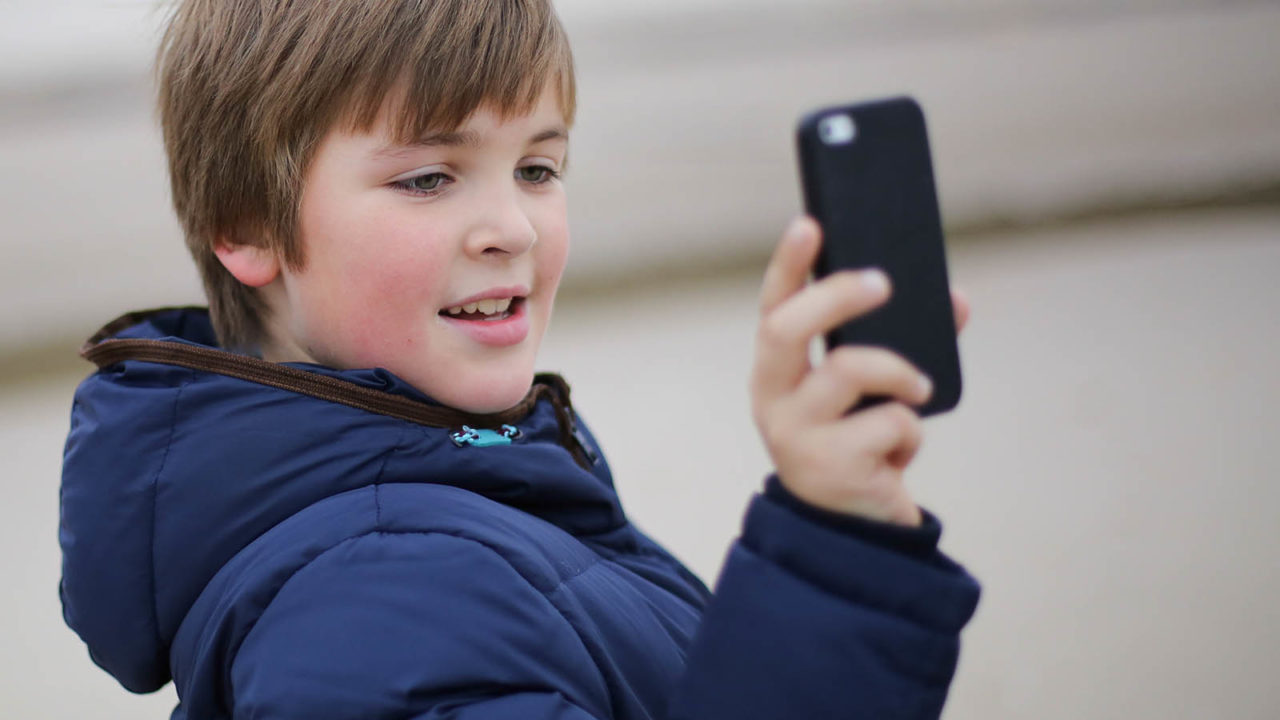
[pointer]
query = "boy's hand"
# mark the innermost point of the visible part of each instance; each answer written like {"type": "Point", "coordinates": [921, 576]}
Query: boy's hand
{"type": "Point", "coordinates": [850, 464]}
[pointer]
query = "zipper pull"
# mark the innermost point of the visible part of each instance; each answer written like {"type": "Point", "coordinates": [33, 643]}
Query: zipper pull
{"type": "Point", "coordinates": [471, 437]}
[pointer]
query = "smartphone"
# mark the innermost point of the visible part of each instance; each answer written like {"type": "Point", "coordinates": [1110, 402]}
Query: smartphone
{"type": "Point", "coordinates": [867, 178]}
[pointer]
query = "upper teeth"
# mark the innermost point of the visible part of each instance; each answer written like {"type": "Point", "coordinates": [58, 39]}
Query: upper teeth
{"type": "Point", "coordinates": [487, 307]}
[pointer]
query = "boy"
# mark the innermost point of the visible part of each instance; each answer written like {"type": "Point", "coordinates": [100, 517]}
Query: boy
{"type": "Point", "coordinates": [343, 493]}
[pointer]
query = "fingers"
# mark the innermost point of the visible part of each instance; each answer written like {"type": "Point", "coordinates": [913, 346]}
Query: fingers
{"type": "Point", "coordinates": [849, 464]}
{"type": "Point", "coordinates": [850, 373]}
{"type": "Point", "coordinates": [828, 303]}
{"type": "Point", "coordinates": [787, 273]}
{"type": "Point", "coordinates": [789, 267]}
{"type": "Point", "coordinates": [855, 465]}
{"type": "Point", "coordinates": [782, 348]}
{"type": "Point", "coordinates": [892, 431]}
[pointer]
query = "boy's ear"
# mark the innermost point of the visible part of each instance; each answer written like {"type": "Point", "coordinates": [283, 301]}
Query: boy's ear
{"type": "Point", "coordinates": [252, 265]}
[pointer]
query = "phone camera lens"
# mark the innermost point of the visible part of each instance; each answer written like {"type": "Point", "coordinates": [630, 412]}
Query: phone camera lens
{"type": "Point", "coordinates": [837, 130]}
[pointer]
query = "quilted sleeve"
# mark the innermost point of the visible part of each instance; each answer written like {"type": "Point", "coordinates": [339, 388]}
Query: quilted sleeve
{"type": "Point", "coordinates": [809, 622]}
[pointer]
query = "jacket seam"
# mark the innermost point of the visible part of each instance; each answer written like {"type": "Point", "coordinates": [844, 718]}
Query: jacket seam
{"type": "Point", "coordinates": [612, 556]}
{"type": "Point", "coordinates": [377, 479]}
{"type": "Point", "coordinates": [155, 510]}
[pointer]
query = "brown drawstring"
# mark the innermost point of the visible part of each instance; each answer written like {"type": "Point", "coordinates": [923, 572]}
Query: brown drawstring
{"type": "Point", "coordinates": [104, 351]}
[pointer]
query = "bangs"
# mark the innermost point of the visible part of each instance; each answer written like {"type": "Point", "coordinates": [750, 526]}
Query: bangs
{"type": "Point", "coordinates": [441, 61]}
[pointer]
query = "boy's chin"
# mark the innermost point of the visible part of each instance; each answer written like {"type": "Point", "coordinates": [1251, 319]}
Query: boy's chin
{"type": "Point", "coordinates": [486, 395]}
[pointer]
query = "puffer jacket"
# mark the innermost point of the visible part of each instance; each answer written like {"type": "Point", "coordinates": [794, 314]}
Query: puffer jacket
{"type": "Point", "coordinates": [290, 541]}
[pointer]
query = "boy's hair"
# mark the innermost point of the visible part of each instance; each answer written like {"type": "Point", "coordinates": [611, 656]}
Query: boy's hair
{"type": "Point", "coordinates": [249, 88]}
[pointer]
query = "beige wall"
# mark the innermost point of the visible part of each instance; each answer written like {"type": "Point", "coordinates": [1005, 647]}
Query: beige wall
{"type": "Point", "coordinates": [682, 156]}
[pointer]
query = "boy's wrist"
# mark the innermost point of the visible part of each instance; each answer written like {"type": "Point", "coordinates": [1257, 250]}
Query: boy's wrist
{"type": "Point", "coordinates": [914, 541]}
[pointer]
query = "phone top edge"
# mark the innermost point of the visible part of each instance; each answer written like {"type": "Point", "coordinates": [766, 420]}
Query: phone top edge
{"type": "Point", "coordinates": [809, 148]}
{"type": "Point", "coordinates": [811, 118]}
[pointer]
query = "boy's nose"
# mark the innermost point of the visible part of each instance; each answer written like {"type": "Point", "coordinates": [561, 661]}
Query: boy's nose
{"type": "Point", "coordinates": [504, 229]}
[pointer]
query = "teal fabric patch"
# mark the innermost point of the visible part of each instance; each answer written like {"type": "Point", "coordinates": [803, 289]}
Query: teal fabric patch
{"type": "Point", "coordinates": [472, 437]}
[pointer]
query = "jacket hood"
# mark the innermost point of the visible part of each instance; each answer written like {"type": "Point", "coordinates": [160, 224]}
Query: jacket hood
{"type": "Point", "coordinates": [180, 454]}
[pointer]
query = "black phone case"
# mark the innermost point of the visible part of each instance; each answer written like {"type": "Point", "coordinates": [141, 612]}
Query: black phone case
{"type": "Point", "coordinates": [875, 199]}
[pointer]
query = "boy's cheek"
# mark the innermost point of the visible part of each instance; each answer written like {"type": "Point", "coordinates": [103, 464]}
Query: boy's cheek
{"type": "Point", "coordinates": [382, 271]}
{"type": "Point", "coordinates": [552, 267]}
{"type": "Point", "coordinates": [375, 339]}
{"type": "Point", "coordinates": [555, 250]}
{"type": "Point", "coordinates": [355, 317]}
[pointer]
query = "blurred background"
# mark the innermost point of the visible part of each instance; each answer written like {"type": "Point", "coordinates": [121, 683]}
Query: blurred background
{"type": "Point", "coordinates": [1110, 180]}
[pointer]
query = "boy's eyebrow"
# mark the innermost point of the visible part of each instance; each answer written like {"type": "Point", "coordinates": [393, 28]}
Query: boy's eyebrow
{"type": "Point", "coordinates": [555, 133]}
{"type": "Point", "coordinates": [461, 138]}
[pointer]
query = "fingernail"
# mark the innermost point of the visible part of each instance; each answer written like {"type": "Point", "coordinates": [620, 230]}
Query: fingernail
{"type": "Point", "coordinates": [796, 230]}
{"type": "Point", "coordinates": [926, 387]}
{"type": "Point", "coordinates": [876, 281]}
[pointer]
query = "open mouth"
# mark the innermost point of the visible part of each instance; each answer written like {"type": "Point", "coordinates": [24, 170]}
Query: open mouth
{"type": "Point", "coordinates": [492, 310]}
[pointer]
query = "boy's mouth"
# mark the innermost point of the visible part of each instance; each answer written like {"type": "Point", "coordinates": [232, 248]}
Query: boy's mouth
{"type": "Point", "coordinates": [488, 310]}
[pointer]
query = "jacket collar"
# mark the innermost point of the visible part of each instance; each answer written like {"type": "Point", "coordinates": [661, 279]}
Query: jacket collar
{"type": "Point", "coordinates": [115, 343]}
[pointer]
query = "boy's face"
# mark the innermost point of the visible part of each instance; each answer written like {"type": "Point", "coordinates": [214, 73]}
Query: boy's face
{"type": "Point", "coordinates": [438, 261]}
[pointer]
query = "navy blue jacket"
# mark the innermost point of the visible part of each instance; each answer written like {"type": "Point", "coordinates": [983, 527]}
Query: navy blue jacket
{"type": "Point", "coordinates": [290, 554]}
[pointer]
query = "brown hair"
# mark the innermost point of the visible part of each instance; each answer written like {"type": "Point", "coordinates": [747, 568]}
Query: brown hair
{"type": "Point", "coordinates": [248, 89]}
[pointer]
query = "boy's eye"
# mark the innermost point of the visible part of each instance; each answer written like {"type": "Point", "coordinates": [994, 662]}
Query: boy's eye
{"type": "Point", "coordinates": [425, 183]}
{"type": "Point", "coordinates": [536, 174]}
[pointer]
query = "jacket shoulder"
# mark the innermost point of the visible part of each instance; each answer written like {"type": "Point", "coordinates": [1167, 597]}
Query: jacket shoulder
{"type": "Point", "coordinates": [380, 586]}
